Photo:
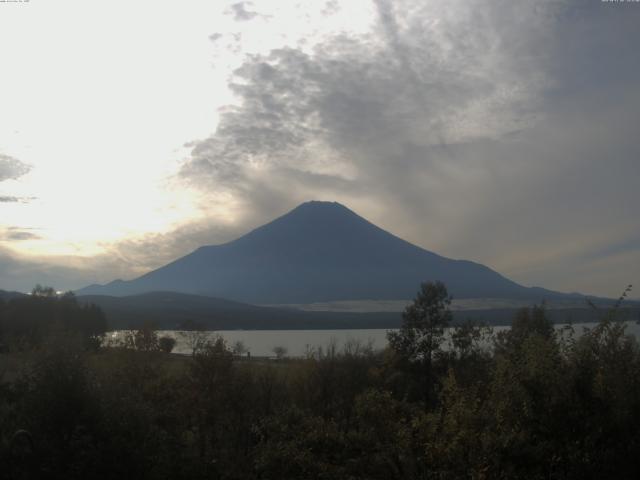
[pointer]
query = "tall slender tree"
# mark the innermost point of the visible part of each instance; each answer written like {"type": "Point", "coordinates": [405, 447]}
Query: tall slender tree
{"type": "Point", "coordinates": [419, 338]}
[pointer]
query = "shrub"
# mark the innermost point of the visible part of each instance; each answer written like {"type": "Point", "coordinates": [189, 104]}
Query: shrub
{"type": "Point", "coordinates": [166, 344]}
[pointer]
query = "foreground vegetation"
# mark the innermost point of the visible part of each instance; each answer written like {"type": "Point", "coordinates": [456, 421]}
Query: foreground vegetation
{"type": "Point", "coordinates": [540, 403]}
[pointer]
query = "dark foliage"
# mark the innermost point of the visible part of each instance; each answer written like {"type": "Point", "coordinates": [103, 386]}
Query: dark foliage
{"type": "Point", "coordinates": [533, 402]}
{"type": "Point", "coordinates": [166, 344]}
{"type": "Point", "coordinates": [28, 322]}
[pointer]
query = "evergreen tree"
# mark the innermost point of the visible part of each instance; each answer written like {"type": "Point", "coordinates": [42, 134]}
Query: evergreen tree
{"type": "Point", "coordinates": [418, 340]}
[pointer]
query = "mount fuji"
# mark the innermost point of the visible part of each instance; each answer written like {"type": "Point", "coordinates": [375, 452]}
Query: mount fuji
{"type": "Point", "coordinates": [320, 252]}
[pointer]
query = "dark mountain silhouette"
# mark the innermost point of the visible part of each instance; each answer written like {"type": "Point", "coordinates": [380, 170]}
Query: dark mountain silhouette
{"type": "Point", "coordinates": [8, 295]}
{"type": "Point", "coordinates": [320, 251]}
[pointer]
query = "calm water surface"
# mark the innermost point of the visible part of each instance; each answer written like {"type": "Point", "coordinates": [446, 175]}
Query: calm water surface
{"type": "Point", "coordinates": [298, 342]}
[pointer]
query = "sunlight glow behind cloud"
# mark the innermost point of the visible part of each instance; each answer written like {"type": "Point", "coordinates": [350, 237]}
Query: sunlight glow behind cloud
{"type": "Point", "coordinates": [101, 104]}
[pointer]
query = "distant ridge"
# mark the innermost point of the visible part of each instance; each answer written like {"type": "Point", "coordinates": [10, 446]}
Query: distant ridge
{"type": "Point", "coordinates": [6, 295]}
{"type": "Point", "coordinates": [318, 252]}
{"type": "Point", "coordinates": [172, 311]}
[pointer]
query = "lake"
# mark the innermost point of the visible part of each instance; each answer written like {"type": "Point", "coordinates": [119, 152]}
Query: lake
{"type": "Point", "coordinates": [298, 342]}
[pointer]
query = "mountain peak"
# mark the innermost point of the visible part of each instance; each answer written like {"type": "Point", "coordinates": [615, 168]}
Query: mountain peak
{"type": "Point", "coordinates": [311, 223]}
{"type": "Point", "coordinates": [314, 207]}
{"type": "Point", "coordinates": [319, 251]}
{"type": "Point", "coordinates": [320, 204]}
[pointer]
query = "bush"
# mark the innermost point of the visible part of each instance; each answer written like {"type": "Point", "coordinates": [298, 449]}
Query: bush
{"type": "Point", "coordinates": [166, 344]}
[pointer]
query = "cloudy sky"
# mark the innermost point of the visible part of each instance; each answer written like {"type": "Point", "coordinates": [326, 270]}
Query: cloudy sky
{"type": "Point", "coordinates": [501, 132]}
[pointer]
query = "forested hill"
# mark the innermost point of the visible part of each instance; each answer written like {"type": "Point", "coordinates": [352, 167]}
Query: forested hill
{"type": "Point", "coordinates": [170, 310]}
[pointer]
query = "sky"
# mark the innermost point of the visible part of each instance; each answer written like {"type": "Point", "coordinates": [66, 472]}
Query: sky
{"type": "Point", "coordinates": [505, 133]}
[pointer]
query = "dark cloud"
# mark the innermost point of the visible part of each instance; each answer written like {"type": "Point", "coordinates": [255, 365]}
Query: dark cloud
{"type": "Point", "coordinates": [241, 11]}
{"type": "Point", "coordinates": [500, 132]}
{"type": "Point", "coordinates": [17, 234]}
{"type": "Point", "coordinates": [334, 108]}
{"type": "Point", "coordinates": [12, 168]}
{"type": "Point", "coordinates": [12, 199]}
{"type": "Point", "coordinates": [362, 111]}
{"type": "Point", "coordinates": [331, 7]}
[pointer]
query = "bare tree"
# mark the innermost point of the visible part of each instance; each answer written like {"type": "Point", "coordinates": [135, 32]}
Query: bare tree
{"type": "Point", "coordinates": [239, 348]}
{"type": "Point", "coordinates": [194, 335]}
{"type": "Point", "coordinates": [279, 351]}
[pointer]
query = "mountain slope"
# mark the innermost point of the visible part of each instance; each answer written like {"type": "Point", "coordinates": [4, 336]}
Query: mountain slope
{"type": "Point", "coordinates": [320, 251]}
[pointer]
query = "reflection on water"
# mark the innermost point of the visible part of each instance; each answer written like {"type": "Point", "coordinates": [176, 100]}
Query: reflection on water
{"type": "Point", "coordinates": [298, 342]}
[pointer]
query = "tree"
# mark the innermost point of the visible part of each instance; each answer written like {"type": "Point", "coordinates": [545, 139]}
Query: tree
{"type": "Point", "coordinates": [279, 351]}
{"type": "Point", "coordinates": [526, 323]}
{"type": "Point", "coordinates": [41, 291]}
{"type": "Point", "coordinates": [194, 336]}
{"type": "Point", "coordinates": [239, 348]}
{"type": "Point", "coordinates": [145, 338]}
{"type": "Point", "coordinates": [28, 321]}
{"type": "Point", "coordinates": [423, 325]}
{"type": "Point", "coordinates": [422, 331]}
{"type": "Point", "coordinates": [166, 344]}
